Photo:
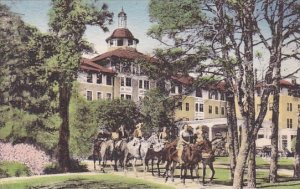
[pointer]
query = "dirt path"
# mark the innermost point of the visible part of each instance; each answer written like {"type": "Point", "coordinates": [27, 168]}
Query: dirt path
{"type": "Point", "coordinates": [148, 176]}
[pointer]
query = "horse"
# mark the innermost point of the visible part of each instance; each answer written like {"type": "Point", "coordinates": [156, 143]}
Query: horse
{"type": "Point", "coordinates": [207, 159]}
{"type": "Point", "coordinates": [119, 153]}
{"type": "Point", "coordinates": [103, 149]}
{"type": "Point", "coordinates": [136, 149]}
{"type": "Point", "coordinates": [191, 157]}
{"type": "Point", "coordinates": [155, 152]}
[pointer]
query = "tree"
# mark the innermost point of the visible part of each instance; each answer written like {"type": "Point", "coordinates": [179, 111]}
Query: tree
{"type": "Point", "coordinates": [282, 18]}
{"type": "Point", "coordinates": [157, 110]}
{"type": "Point", "coordinates": [24, 88]}
{"type": "Point", "coordinates": [113, 114]}
{"type": "Point", "coordinates": [68, 21]}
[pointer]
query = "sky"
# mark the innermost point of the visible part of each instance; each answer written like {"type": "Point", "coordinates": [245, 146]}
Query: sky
{"type": "Point", "coordinates": [35, 12]}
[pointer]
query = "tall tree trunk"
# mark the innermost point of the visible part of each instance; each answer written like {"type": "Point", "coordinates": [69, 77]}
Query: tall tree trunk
{"type": "Point", "coordinates": [232, 137]}
{"type": "Point", "coordinates": [274, 134]}
{"type": "Point", "coordinates": [252, 167]}
{"type": "Point", "coordinates": [241, 158]}
{"type": "Point", "coordinates": [297, 153]}
{"type": "Point", "coordinates": [63, 156]}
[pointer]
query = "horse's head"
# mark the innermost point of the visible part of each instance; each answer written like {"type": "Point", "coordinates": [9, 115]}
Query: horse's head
{"type": "Point", "coordinates": [153, 139]}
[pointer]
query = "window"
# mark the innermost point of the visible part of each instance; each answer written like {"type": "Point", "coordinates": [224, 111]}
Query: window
{"type": "Point", "coordinates": [120, 42]}
{"type": "Point", "coordinates": [216, 95]}
{"type": "Point", "coordinates": [128, 97]}
{"type": "Point", "coordinates": [89, 95]}
{"type": "Point", "coordinates": [289, 107]}
{"type": "Point", "coordinates": [197, 107]}
{"type": "Point", "coordinates": [258, 92]}
{"type": "Point", "coordinates": [179, 89]}
{"type": "Point", "coordinates": [217, 110]}
{"type": "Point", "coordinates": [173, 89]}
{"type": "Point", "coordinates": [180, 105]}
{"type": "Point", "coordinates": [222, 96]}
{"type": "Point", "coordinates": [187, 107]}
{"type": "Point", "coordinates": [198, 92]}
{"type": "Point", "coordinates": [289, 123]}
{"type": "Point", "coordinates": [270, 106]}
{"type": "Point", "coordinates": [128, 82]}
{"type": "Point", "coordinates": [130, 42]}
{"type": "Point", "coordinates": [201, 107]}
{"type": "Point", "coordinates": [89, 78]}
{"type": "Point", "coordinates": [284, 141]}
{"type": "Point", "coordinates": [146, 84]}
{"type": "Point", "coordinates": [99, 95]}
{"type": "Point", "coordinates": [111, 42]}
{"type": "Point", "coordinates": [122, 96]}
{"type": "Point", "coordinates": [260, 136]}
{"type": "Point", "coordinates": [210, 94]}
{"type": "Point", "coordinates": [109, 80]}
{"type": "Point", "coordinates": [108, 96]}
{"type": "Point", "coordinates": [99, 78]}
{"type": "Point", "coordinates": [210, 109]}
{"type": "Point", "coordinates": [140, 84]}
{"type": "Point", "coordinates": [223, 110]}
{"type": "Point", "coordinates": [122, 81]}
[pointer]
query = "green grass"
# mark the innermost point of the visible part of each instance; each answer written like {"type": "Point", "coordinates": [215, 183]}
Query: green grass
{"type": "Point", "coordinates": [82, 181]}
{"type": "Point", "coordinates": [14, 169]}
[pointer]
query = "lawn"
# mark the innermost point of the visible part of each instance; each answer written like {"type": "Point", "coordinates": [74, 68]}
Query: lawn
{"type": "Point", "coordinates": [284, 163]}
{"type": "Point", "coordinates": [90, 181]}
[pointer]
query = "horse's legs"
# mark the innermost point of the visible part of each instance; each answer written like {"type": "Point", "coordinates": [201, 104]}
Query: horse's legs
{"type": "Point", "coordinates": [133, 165]}
{"type": "Point", "coordinates": [173, 170]}
{"type": "Point", "coordinates": [94, 158]}
{"type": "Point", "coordinates": [211, 166]}
{"type": "Point", "coordinates": [197, 172]}
{"type": "Point", "coordinates": [181, 168]}
{"type": "Point", "coordinates": [185, 172]}
{"type": "Point", "coordinates": [152, 159]}
{"type": "Point", "coordinates": [203, 172]}
{"type": "Point", "coordinates": [167, 170]}
{"type": "Point", "coordinates": [191, 170]}
{"type": "Point", "coordinates": [158, 170]}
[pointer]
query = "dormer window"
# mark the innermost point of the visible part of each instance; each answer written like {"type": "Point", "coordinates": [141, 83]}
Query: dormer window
{"type": "Point", "coordinates": [120, 42]}
{"type": "Point", "coordinates": [89, 78]}
{"type": "Point", "coordinates": [130, 42]}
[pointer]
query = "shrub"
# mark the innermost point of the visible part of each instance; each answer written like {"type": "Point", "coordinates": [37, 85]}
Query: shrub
{"type": "Point", "coordinates": [26, 154]}
{"type": "Point", "coordinates": [10, 169]}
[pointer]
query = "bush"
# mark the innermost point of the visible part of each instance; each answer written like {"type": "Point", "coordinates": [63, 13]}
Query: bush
{"type": "Point", "coordinates": [25, 154]}
{"type": "Point", "coordinates": [10, 169]}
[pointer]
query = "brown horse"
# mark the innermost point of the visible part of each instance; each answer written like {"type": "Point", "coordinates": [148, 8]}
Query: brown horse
{"type": "Point", "coordinates": [191, 156]}
{"type": "Point", "coordinates": [208, 158]}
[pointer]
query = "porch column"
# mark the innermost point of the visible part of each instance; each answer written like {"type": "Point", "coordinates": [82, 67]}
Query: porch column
{"type": "Point", "coordinates": [210, 132]}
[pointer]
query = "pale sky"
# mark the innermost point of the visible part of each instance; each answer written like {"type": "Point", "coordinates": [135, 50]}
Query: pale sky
{"type": "Point", "coordinates": [35, 12]}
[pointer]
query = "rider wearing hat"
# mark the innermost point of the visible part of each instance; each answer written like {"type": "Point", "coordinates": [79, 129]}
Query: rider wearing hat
{"type": "Point", "coordinates": [137, 133]}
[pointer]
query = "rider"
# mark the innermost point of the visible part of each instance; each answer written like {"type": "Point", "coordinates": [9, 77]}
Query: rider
{"type": "Point", "coordinates": [122, 133]}
{"type": "Point", "coordinates": [102, 135]}
{"type": "Point", "coordinates": [137, 133]}
{"type": "Point", "coordinates": [163, 136]}
{"type": "Point", "coordinates": [184, 138]}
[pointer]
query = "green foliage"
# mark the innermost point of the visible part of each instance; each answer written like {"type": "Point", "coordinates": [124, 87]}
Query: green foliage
{"type": "Point", "coordinates": [83, 126]}
{"type": "Point", "coordinates": [173, 17]}
{"type": "Point", "coordinates": [115, 113]}
{"type": "Point", "coordinates": [11, 169]}
{"type": "Point", "coordinates": [157, 110]}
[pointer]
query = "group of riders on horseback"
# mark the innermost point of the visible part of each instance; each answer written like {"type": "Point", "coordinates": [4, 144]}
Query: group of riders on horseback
{"type": "Point", "coordinates": [188, 149]}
